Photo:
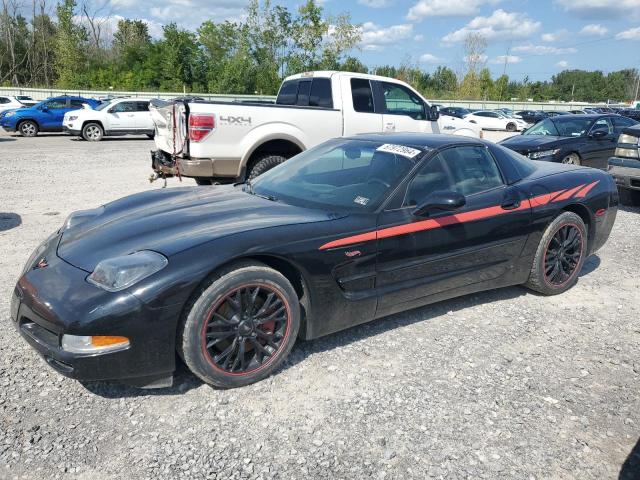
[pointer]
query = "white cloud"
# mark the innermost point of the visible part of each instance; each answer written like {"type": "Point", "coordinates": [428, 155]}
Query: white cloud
{"type": "Point", "coordinates": [499, 25]}
{"type": "Point", "coordinates": [374, 37]}
{"type": "Point", "coordinates": [631, 34]}
{"type": "Point", "coordinates": [555, 36]}
{"type": "Point", "coordinates": [501, 59]}
{"type": "Point", "coordinates": [600, 8]}
{"type": "Point", "coordinates": [429, 58]}
{"type": "Point", "coordinates": [375, 3]}
{"type": "Point", "coordinates": [446, 8]}
{"type": "Point", "coordinates": [477, 58]}
{"type": "Point", "coordinates": [418, 38]}
{"type": "Point", "coordinates": [594, 29]}
{"type": "Point", "coordinates": [562, 64]}
{"type": "Point", "coordinates": [543, 49]}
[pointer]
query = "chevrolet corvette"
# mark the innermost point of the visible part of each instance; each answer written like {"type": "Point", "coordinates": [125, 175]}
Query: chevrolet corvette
{"type": "Point", "coordinates": [226, 278]}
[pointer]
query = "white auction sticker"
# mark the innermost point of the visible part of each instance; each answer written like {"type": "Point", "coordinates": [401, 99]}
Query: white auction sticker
{"type": "Point", "coordinates": [398, 150]}
{"type": "Point", "coordinates": [361, 200]}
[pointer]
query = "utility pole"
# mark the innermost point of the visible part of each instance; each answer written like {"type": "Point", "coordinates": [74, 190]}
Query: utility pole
{"type": "Point", "coordinates": [635, 101]}
{"type": "Point", "coordinates": [573, 87]}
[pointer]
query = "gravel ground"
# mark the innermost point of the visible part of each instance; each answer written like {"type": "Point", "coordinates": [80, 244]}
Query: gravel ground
{"type": "Point", "coordinates": [504, 384]}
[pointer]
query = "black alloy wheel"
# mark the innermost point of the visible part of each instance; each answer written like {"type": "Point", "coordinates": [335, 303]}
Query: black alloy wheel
{"type": "Point", "coordinates": [245, 329]}
{"type": "Point", "coordinates": [563, 255]}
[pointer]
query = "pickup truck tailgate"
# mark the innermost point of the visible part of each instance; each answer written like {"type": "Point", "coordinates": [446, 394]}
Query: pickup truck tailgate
{"type": "Point", "coordinates": [170, 121]}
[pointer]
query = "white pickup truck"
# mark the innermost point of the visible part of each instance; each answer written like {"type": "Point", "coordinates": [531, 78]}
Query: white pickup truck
{"type": "Point", "coordinates": [229, 142]}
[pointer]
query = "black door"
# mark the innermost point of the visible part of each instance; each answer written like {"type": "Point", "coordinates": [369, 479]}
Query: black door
{"type": "Point", "coordinates": [423, 256]}
{"type": "Point", "coordinates": [600, 144]}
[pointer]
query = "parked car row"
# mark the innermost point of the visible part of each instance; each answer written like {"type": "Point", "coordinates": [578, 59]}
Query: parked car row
{"type": "Point", "coordinates": [88, 118]}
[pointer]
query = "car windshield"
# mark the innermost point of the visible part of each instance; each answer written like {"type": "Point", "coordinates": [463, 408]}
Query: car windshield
{"type": "Point", "coordinates": [339, 175]}
{"type": "Point", "coordinates": [561, 127]}
{"type": "Point", "coordinates": [103, 105]}
{"type": "Point", "coordinates": [22, 97]}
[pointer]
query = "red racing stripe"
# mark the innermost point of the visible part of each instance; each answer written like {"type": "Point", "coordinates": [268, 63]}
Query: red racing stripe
{"type": "Point", "coordinates": [464, 217]}
{"type": "Point", "coordinates": [567, 194]}
{"type": "Point", "coordinates": [583, 193]}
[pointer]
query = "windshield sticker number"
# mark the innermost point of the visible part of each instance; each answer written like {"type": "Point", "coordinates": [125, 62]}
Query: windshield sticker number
{"type": "Point", "coordinates": [361, 200]}
{"type": "Point", "coordinates": [407, 152]}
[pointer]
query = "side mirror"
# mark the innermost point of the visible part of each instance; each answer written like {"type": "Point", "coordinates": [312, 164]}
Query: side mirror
{"type": "Point", "coordinates": [445, 200]}
{"type": "Point", "coordinates": [598, 134]}
{"type": "Point", "coordinates": [434, 113]}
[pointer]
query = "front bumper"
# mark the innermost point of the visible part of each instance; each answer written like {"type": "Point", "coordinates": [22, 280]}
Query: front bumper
{"type": "Point", "coordinates": [54, 300]}
{"type": "Point", "coordinates": [8, 127]}
{"type": "Point", "coordinates": [69, 129]}
{"type": "Point", "coordinates": [625, 172]}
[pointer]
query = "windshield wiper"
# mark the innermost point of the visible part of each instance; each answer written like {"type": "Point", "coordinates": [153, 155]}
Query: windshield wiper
{"type": "Point", "coordinates": [252, 192]}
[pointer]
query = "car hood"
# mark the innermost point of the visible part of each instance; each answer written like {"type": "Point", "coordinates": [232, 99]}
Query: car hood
{"type": "Point", "coordinates": [172, 220]}
{"type": "Point", "coordinates": [532, 143]}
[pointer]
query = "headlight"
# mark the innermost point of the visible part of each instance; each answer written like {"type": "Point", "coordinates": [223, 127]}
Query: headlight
{"type": "Point", "coordinates": [93, 343]}
{"type": "Point", "coordinates": [624, 138]}
{"type": "Point", "coordinates": [72, 118]}
{"type": "Point", "coordinates": [543, 153]}
{"type": "Point", "coordinates": [9, 114]}
{"type": "Point", "coordinates": [626, 152]}
{"type": "Point", "coordinates": [118, 273]}
{"type": "Point", "coordinates": [81, 216]}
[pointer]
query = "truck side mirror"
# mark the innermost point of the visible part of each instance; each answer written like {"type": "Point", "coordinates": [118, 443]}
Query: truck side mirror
{"type": "Point", "coordinates": [434, 113]}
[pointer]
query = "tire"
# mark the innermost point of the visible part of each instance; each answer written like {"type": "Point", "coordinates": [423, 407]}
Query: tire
{"type": "Point", "coordinates": [234, 353]}
{"type": "Point", "coordinates": [571, 159]}
{"type": "Point", "coordinates": [92, 132]}
{"type": "Point", "coordinates": [628, 197]}
{"type": "Point", "coordinates": [541, 278]}
{"type": "Point", "coordinates": [203, 180]}
{"type": "Point", "coordinates": [28, 128]}
{"type": "Point", "coordinates": [265, 164]}
{"type": "Point", "coordinates": [151, 136]}
{"type": "Point", "coordinates": [511, 127]}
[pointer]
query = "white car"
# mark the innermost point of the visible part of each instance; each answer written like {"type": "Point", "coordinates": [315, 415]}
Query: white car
{"type": "Point", "coordinates": [227, 142]}
{"type": "Point", "coordinates": [121, 116]}
{"type": "Point", "coordinates": [489, 120]}
{"type": "Point", "coordinates": [19, 101]}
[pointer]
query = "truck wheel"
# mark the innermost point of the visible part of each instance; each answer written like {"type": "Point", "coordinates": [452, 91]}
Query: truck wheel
{"type": "Point", "coordinates": [203, 180]}
{"type": "Point", "coordinates": [629, 197]}
{"type": "Point", "coordinates": [92, 132]}
{"type": "Point", "coordinates": [511, 127]}
{"type": "Point", "coordinates": [265, 164]}
{"type": "Point", "coordinates": [28, 129]}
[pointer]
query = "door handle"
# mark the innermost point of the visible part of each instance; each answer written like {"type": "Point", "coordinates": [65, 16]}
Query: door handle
{"type": "Point", "coordinates": [510, 204]}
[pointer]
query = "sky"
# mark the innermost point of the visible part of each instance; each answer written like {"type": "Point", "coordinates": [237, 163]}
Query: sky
{"type": "Point", "coordinates": [534, 38]}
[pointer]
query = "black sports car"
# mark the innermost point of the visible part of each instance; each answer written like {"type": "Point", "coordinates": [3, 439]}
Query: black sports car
{"type": "Point", "coordinates": [532, 116]}
{"type": "Point", "coordinates": [351, 230]}
{"type": "Point", "coordinates": [575, 139]}
{"type": "Point", "coordinates": [458, 112]}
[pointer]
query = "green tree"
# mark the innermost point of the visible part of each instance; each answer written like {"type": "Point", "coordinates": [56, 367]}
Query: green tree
{"type": "Point", "coordinates": [70, 40]}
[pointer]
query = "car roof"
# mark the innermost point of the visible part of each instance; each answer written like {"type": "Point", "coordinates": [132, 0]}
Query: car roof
{"type": "Point", "coordinates": [420, 140]}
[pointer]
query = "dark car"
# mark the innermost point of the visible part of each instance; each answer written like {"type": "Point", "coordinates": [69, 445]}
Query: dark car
{"type": "Point", "coordinates": [458, 112]}
{"type": "Point", "coordinates": [45, 116]}
{"type": "Point", "coordinates": [532, 116]}
{"type": "Point", "coordinates": [555, 113]}
{"type": "Point", "coordinates": [630, 113]}
{"type": "Point", "coordinates": [577, 139]}
{"type": "Point", "coordinates": [351, 230]}
{"type": "Point", "coordinates": [624, 166]}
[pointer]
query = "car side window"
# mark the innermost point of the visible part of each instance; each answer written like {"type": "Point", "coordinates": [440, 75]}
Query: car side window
{"type": "Point", "coordinates": [4, 100]}
{"type": "Point", "coordinates": [362, 95]}
{"type": "Point", "coordinates": [76, 103]}
{"type": "Point", "coordinates": [320, 95]}
{"type": "Point", "coordinates": [124, 107]}
{"type": "Point", "coordinates": [621, 122]}
{"type": "Point", "coordinates": [399, 100]}
{"type": "Point", "coordinates": [56, 104]}
{"type": "Point", "coordinates": [431, 178]}
{"type": "Point", "coordinates": [473, 169]}
{"type": "Point", "coordinates": [142, 106]}
{"type": "Point", "coordinates": [603, 124]}
{"type": "Point", "coordinates": [288, 93]}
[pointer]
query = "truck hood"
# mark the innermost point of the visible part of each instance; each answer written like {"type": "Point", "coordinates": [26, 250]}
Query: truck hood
{"type": "Point", "coordinates": [172, 220]}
